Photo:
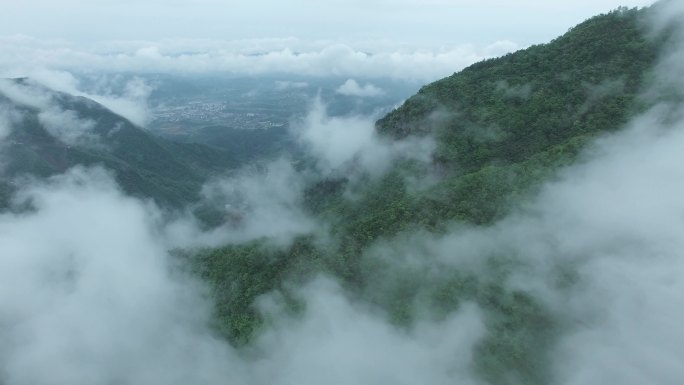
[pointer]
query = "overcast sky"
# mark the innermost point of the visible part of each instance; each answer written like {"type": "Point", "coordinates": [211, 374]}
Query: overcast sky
{"type": "Point", "coordinates": [421, 39]}
{"type": "Point", "coordinates": [420, 21]}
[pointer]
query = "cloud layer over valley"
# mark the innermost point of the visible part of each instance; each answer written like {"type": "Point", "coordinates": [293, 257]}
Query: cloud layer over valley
{"type": "Point", "coordinates": [96, 286]}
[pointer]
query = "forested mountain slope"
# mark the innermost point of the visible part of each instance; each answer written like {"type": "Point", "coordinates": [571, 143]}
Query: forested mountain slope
{"type": "Point", "coordinates": [507, 109]}
{"type": "Point", "coordinates": [502, 127]}
{"type": "Point", "coordinates": [505, 124]}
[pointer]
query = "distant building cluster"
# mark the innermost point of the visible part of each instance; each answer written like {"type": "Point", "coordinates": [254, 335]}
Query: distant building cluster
{"type": "Point", "coordinates": [199, 113]}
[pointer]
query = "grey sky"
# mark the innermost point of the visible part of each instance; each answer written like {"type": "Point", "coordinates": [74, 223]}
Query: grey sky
{"type": "Point", "coordinates": [415, 21]}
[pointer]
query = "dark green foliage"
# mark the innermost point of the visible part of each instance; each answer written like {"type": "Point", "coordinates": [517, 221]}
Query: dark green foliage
{"type": "Point", "coordinates": [505, 110]}
{"type": "Point", "coordinates": [321, 195]}
{"type": "Point", "coordinates": [520, 337]}
{"type": "Point", "coordinates": [239, 274]}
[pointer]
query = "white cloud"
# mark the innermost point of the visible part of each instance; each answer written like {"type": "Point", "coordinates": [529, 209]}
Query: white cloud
{"type": "Point", "coordinates": [612, 223]}
{"type": "Point", "coordinates": [97, 301]}
{"type": "Point", "coordinates": [67, 127]}
{"type": "Point", "coordinates": [93, 301]}
{"type": "Point", "coordinates": [263, 203]}
{"type": "Point", "coordinates": [26, 94]}
{"type": "Point", "coordinates": [352, 88]}
{"type": "Point", "coordinates": [290, 85]}
{"type": "Point", "coordinates": [26, 56]}
{"type": "Point", "coordinates": [351, 142]}
{"type": "Point", "coordinates": [131, 103]}
{"type": "Point", "coordinates": [340, 342]}
{"type": "Point", "coordinates": [64, 125]}
{"type": "Point", "coordinates": [256, 202]}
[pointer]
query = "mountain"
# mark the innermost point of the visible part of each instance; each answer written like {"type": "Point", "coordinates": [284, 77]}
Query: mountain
{"type": "Point", "coordinates": [502, 127]}
{"type": "Point", "coordinates": [42, 143]}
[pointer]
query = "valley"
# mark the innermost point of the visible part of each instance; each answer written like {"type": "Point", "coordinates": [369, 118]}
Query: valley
{"type": "Point", "coordinates": [517, 222]}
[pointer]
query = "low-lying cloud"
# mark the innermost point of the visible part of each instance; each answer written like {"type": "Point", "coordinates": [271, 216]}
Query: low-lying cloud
{"type": "Point", "coordinates": [67, 127]}
{"type": "Point", "coordinates": [261, 202]}
{"type": "Point", "coordinates": [41, 94]}
{"type": "Point", "coordinates": [64, 125]}
{"type": "Point", "coordinates": [352, 88]}
{"type": "Point", "coordinates": [129, 101]}
{"type": "Point", "coordinates": [25, 55]}
{"type": "Point", "coordinates": [94, 301]}
{"type": "Point", "coordinates": [350, 142]}
{"type": "Point", "coordinates": [340, 342]}
{"type": "Point", "coordinates": [97, 299]}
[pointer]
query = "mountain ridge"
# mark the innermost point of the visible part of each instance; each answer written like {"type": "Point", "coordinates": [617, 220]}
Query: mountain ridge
{"type": "Point", "coordinates": [145, 165]}
{"type": "Point", "coordinates": [554, 81]}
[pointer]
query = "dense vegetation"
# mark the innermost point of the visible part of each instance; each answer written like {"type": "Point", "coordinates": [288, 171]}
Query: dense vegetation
{"type": "Point", "coordinates": [502, 126]}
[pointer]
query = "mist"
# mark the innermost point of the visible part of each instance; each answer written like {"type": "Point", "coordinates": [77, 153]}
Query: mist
{"type": "Point", "coordinates": [91, 291]}
{"type": "Point", "coordinates": [256, 202]}
{"type": "Point", "coordinates": [130, 101]}
{"type": "Point", "coordinates": [349, 143]}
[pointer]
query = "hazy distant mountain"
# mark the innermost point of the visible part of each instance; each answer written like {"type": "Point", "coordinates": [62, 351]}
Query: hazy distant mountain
{"type": "Point", "coordinates": [61, 131]}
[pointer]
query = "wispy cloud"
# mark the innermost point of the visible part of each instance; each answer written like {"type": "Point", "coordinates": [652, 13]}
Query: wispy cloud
{"type": "Point", "coordinates": [97, 299]}
{"type": "Point", "coordinates": [25, 55]}
{"type": "Point", "coordinates": [352, 88]}
{"type": "Point", "coordinates": [94, 301]}
{"type": "Point", "coordinates": [64, 125]}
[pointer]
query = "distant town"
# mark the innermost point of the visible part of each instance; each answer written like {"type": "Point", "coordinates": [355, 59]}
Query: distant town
{"type": "Point", "coordinates": [214, 113]}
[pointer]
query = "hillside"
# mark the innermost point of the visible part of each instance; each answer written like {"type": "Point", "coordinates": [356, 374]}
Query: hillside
{"type": "Point", "coordinates": [507, 109]}
{"type": "Point", "coordinates": [145, 165]}
{"type": "Point", "coordinates": [502, 127]}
